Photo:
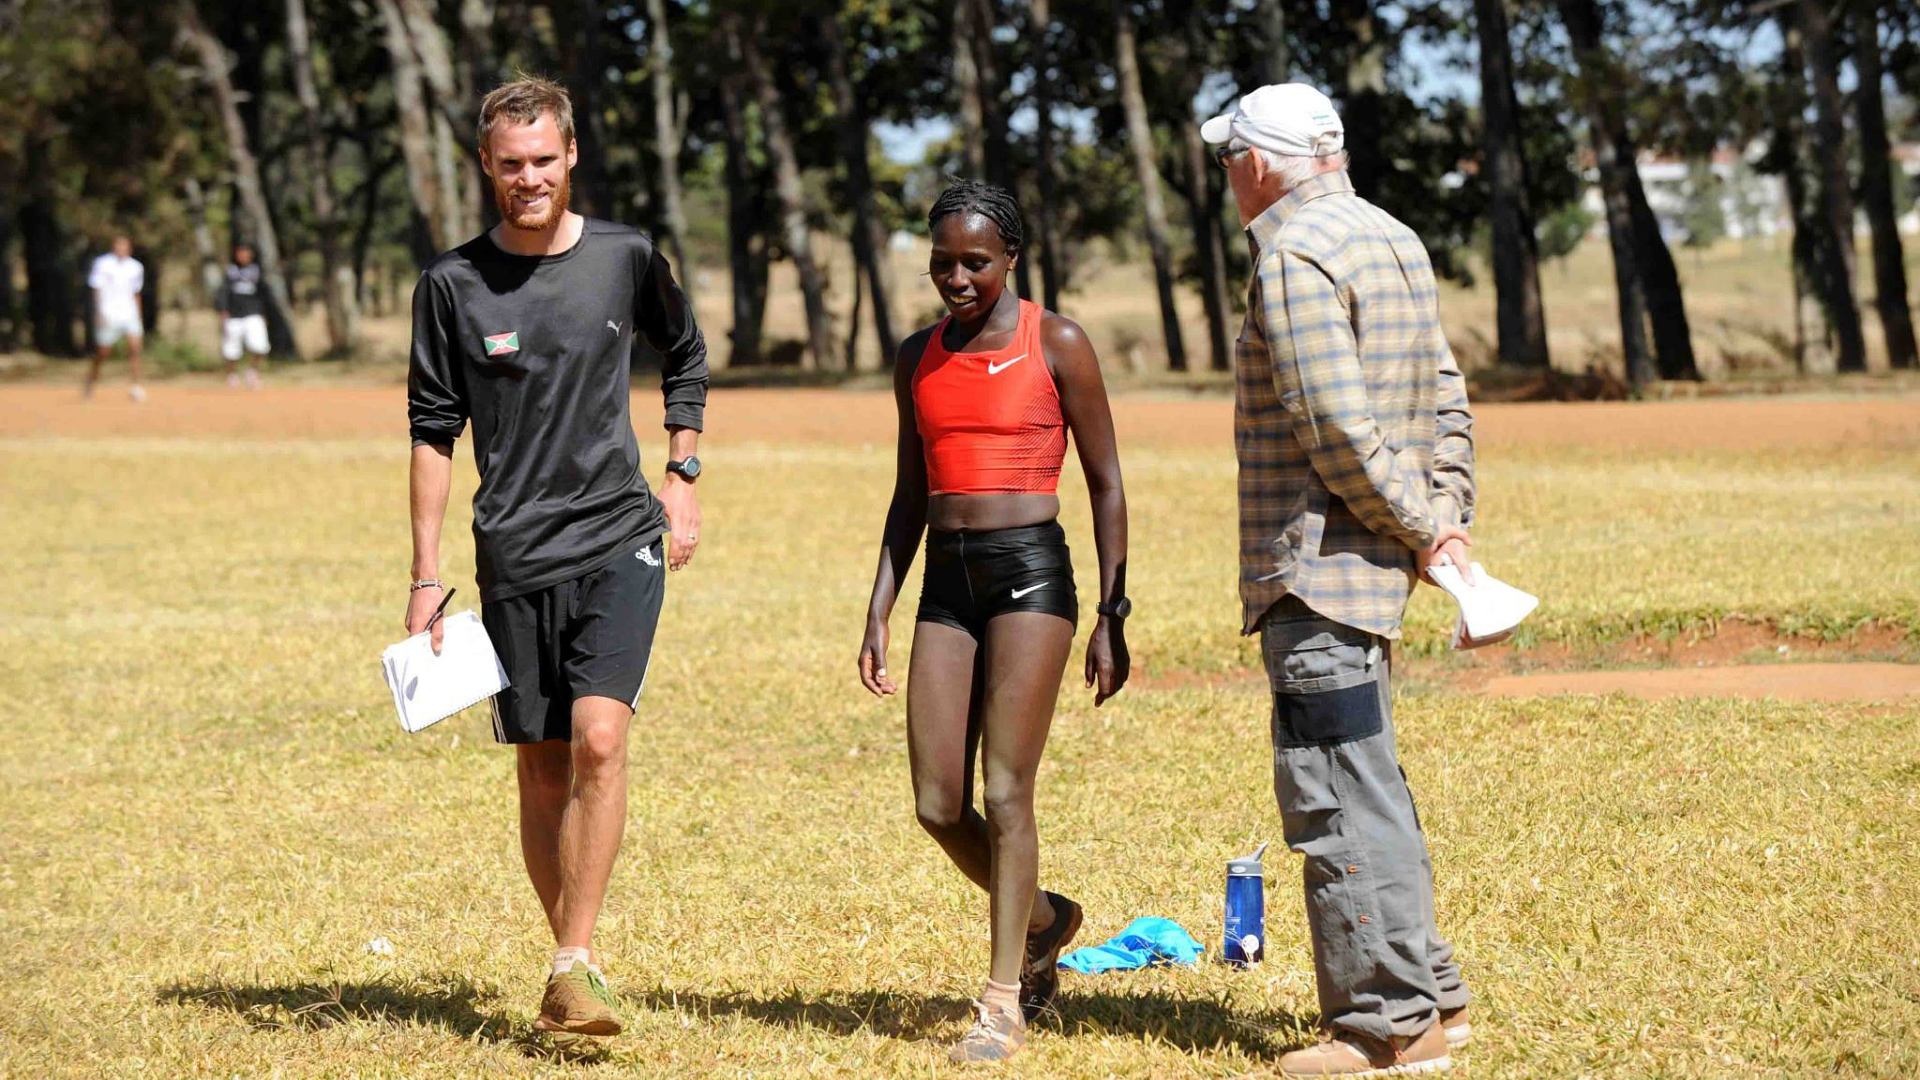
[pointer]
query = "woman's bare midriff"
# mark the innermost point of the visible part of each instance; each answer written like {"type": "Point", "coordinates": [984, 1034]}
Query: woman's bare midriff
{"type": "Point", "coordinates": [981, 513]}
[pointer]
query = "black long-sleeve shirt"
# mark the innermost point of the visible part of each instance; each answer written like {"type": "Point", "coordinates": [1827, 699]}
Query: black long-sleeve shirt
{"type": "Point", "coordinates": [240, 295]}
{"type": "Point", "coordinates": [537, 351]}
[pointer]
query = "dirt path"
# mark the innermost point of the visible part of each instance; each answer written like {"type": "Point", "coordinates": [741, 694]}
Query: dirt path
{"type": "Point", "coordinates": [205, 409]}
{"type": "Point", "coordinates": [1788, 682]}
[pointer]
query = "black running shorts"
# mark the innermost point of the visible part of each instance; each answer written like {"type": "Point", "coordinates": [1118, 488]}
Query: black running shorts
{"type": "Point", "coordinates": [590, 636]}
{"type": "Point", "coordinates": [973, 576]}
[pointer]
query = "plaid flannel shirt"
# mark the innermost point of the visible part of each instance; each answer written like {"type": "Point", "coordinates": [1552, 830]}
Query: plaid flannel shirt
{"type": "Point", "coordinates": [1351, 423]}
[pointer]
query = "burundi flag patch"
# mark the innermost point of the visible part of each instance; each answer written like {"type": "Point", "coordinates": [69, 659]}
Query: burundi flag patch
{"type": "Point", "coordinates": [502, 344]}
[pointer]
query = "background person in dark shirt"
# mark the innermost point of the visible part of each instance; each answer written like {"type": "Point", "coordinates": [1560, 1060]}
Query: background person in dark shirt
{"type": "Point", "coordinates": [243, 316]}
{"type": "Point", "coordinates": [528, 331]}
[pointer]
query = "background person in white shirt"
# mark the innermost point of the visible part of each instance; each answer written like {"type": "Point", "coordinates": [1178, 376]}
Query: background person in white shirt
{"type": "Point", "coordinates": [242, 304]}
{"type": "Point", "coordinates": [117, 280]}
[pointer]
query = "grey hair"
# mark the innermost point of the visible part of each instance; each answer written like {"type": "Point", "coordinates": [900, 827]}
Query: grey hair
{"type": "Point", "coordinates": [1296, 169]}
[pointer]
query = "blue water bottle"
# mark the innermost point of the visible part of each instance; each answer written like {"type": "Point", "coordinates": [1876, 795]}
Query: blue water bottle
{"type": "Point", "coordinates": [1246, 942]}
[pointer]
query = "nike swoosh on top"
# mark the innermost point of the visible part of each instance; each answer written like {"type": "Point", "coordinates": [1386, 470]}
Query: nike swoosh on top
{"type": "Point", "coordinates": [1018, 593]}
{"type": "Point", "coordinates": [995, 369]}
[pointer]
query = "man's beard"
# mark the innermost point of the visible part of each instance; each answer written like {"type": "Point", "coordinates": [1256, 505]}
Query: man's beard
{"type": "Point", "coordinates": [556, 207]}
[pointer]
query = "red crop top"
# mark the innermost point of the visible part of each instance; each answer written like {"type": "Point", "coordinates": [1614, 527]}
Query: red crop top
{"type": "Point", "coordinates": [990, 421]}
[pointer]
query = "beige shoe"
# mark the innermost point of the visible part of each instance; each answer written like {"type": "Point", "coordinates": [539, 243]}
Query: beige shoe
{"type": "Point", "coordinates": [996, 1035]}
{"type": "Point", "coordinates": [1453, 1024]}
{"type": "Point", "coordinates": [578, 1003]}
{"type": "Point", "coordinates": [1355, 1056]}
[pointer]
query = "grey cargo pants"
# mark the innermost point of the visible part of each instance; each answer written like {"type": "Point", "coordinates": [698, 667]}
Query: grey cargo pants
{"type": "Point", "coordinates": [1380, 963]}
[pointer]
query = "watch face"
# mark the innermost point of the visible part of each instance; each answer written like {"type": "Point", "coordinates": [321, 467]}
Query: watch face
{"type": "Point", "coordinates": [687, 467]}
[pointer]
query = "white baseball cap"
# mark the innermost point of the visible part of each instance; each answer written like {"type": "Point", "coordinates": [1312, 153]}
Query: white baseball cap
{"type": "Point", "coordinates": [1289, 118]}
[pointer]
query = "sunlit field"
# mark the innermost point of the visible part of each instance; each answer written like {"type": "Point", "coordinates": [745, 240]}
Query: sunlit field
{"type": "Point", "coordinates": [211, 812]}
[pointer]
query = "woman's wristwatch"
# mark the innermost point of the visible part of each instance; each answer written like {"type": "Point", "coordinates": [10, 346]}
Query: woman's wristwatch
{"type": "Point", "coordinates": [1119, 609]}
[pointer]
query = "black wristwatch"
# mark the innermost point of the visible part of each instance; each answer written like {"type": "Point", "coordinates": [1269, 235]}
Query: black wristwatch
{"type": "Point", "coordinates": [1119, 609]}
{"type": "Point", "coordinates": [688, 467]}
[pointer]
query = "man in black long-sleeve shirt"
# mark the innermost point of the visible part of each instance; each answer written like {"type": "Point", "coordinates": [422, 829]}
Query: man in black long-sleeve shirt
{"type": "Point", "coordinates": [242, 304]}
{"type": "Point", "coordinates": [528, 331]}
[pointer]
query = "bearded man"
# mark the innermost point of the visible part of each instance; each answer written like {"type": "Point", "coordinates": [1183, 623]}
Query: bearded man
{"type": "Point", "coordinates": [528, 331]}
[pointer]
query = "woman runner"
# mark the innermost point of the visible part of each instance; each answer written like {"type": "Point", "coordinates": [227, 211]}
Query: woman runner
{"type": "Point", "coordinates": [986, 398]}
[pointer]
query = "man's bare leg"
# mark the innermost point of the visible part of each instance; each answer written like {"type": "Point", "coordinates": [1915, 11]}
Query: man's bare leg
{"type": "Point", "coordinates": [93, 369]}
{"type": "Point", "coordinates": [546, 776]}
{"type": "Point", "coordinates": [595, 818]}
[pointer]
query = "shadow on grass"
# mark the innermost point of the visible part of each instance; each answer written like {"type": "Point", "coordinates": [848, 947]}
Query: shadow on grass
{"type": "Point", "coordinates": [449, 1003]}
{"type": "Point", "coordinates": [454, 1005]}
{"type": "Point", "coordinates": [1189, 1024]}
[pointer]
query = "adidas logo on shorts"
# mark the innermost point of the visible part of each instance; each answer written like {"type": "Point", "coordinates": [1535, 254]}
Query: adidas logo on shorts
{"type": "Point", "coordinates": [645, 555]}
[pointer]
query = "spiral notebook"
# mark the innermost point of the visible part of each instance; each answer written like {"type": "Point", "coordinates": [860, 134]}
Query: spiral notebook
{"type": "Point", "coordinates": [428, 688]}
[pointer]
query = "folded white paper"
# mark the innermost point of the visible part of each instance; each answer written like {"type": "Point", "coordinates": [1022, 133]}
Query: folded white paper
{"type": "Point", "coordinates": [1490, 609]}
{"type": "Point", "coordinates": [428, 688]}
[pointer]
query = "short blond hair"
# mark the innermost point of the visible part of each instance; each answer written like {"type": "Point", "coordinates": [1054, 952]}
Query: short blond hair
{"type": "Point", "coordinates": [522, 101]}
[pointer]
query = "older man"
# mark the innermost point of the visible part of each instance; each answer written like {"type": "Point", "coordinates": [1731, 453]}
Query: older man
{"type": "Point", "coordinates": [1356, 473]}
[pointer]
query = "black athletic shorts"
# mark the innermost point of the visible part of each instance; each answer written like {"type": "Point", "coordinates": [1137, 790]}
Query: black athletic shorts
{"type": "Point", "coordinates": [973, 576]}
{"type": "Point", "coordinates": [591, 636]}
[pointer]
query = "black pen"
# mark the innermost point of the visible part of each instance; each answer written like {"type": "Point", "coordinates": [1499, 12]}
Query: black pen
{"type": "Point", "coordinates": [437, 612]}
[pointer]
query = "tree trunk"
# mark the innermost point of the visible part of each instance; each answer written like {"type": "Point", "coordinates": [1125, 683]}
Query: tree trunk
{"type": "Point", "coordinates": [851, 359]}
{"type": "Point", "coordinates": [577, 30]}
{"type": "Point", "coordinates": [478, 71]}
{"type": "Point", "coordinates": [343, 313]}
{"type": "Point", "coordinates": [50, 277]}
{"type": "Point", "coordinates": [211, 276]}
{"type": "Point", "coordinates": [1276, 56]}
{"type": "Point", "coordinates": [965, 96]}
{"type": "Point", "coordinates": [1836, 194]}
{"type": "Point", "coordinates": [1613, 154]}
{"type": "Point", "coordinates": [795, 235]}
{"type": "Point", "coordinates": [668, 125]}
{"type": "Point", "coordinates": [1206, 239]}
{"type": "Point", "coordinates": [869, 235]}
{"type": "Point", "coordinates": [1876, 190]}
{"type": "Point", "coordinates": [434, 199]}
{"type": "Point", "coordinates": [50, 291]}
{"type": "Point", "coordinates": [1813, 334]}
{"type": "Point", "coordinates": [1043, 97]}
{"type": "Point", "coordinates": [9, 313]}
{"type": "Point", "coordinates": [1140, 139]}
{"type": "Point", "coordinates": [1520, 315]}
{"type": "Point", "coordinates": [746, 248]}
{"type": "Point", "coordinates": [993, 114]}
{"type": "Point", "coordinates": [215, 65]}
{"type": "Point", "coordinates": [1666, 303]}
{"type": "Point", "coordinates": [1366, 88]}
{"type": "Point", "coordinates": [369, 212]}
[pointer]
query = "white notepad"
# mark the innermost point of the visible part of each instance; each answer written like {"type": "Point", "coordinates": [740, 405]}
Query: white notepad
{"type": "Point", "coordinates": [1490, 609]}
{"type": "Point", "coordinates": [428, 688]}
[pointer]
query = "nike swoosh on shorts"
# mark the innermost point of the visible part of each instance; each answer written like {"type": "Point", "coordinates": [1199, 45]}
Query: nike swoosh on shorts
{"type": "Point", "coordinates": [1018, 593]}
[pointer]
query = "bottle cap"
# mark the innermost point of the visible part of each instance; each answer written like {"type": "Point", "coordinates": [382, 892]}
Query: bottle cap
{"type": "Point", "coordinates": [1247, 865]}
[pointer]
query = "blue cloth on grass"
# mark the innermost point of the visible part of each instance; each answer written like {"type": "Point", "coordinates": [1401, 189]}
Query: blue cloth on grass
{"type": "Point", "coordinates": [1144, 943]}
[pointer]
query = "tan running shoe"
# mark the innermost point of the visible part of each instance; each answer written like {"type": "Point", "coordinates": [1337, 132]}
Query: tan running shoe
{"type": "Point", "coordinates": [1040, 978]}
{"type": "Point", "coordinates": [1354, 1056]}
{"type": "Point", "coordinates": [578, 1002]}
{"type": "Point", "coordinates": [1453, 1024]}
{"type": "Point", "coordinates": [996, 1035]}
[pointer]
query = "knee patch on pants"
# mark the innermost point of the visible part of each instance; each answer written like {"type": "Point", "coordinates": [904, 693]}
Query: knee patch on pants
{"type": "Point", "coordinates": [1324, 677]}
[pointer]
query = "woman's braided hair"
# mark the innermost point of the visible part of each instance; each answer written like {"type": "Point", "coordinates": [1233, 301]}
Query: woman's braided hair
{"type": "Point", "coordinates": [992, 202]}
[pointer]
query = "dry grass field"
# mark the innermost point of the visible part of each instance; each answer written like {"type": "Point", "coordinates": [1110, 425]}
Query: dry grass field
{"type": "Point", "coordinates": [210, 812]}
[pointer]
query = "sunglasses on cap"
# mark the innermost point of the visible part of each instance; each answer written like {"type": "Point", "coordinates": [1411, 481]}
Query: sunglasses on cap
{"type": "Point", "coordinates": [1226, 152]}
